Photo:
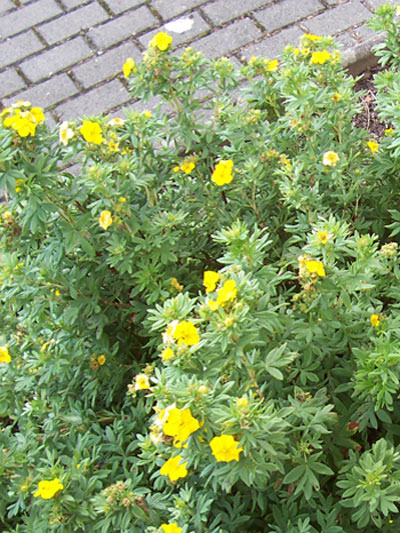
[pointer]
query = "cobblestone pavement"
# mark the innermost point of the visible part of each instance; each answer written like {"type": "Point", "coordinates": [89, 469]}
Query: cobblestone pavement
{"type": "Point", "coordinates": [67, 55]}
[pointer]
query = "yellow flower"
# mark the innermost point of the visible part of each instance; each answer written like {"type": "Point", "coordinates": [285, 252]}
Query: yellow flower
{"type": "Point", "coordinates": [375, 320]}
{"type": "Point", "coordinates": [167, 354]}
{"type": "Point", "coordinates": [37, 114]}
{"type": "Point", "coordinates": [272, 65]}
{"type": "Point", "coordinates": [128, 67]}
{"type": "Point", "coordinates": [187, 167]}
{"type": "Point", "coordinates": [48, 489]}
{"type": "Point", "coordinates": [323, 237]}
{"type": "Point", "coordinates": [330, 159]}
{"type": "Point", "coordinates": [91, 132]}
{"type": "Point", "coordinates": [147, 113]}
{"type": "Point", "coordinates": [388, 131]}
{"type": "Point", "coordinates": [223, 172]}
{"type": "Point", "coordinates": [242, 402]}
{"type": "Point", "coordinates": [66, 133]}
{"type": "Point", "coordinates": [212, 305]}
{"type": "Point", "coordinates": [142, 382]}
{"type": "Point", "coordinates": [101, 360]}
{"type": "Point", "coordinates": [18, 184]}
{"type": "Point", "coordinates": [180, 424]}
{"type": "Point", "coordinates": [4, 355]}
{"type": "Point", "coordinates": [176, 284]}
{"type": "Point", "coordinates": [113, 146]}
{"type": "Point", "coordinates": [227, 293]}
{"type": "Point", "coordinates": [173, 469]}
{"type": "Point", "coordinates": [316, 267]}
{"type": "Point", "coordinates": [171, 528]}
{"type": "Point", "coordinates": [373, 146]}
{"type": "Point", "coordinates": [21, 122]}
{"type": "Point", "coordinates": [225, 448]}
{"type": "Point", "coordinates": [320, 57]}
{"type": "Point", "coordinates": [122, 199]}
{"type": "Point", "coordinates": [311, 37]}
{"type": "Point", "coordinates": [161, 41]}
{"type": "Point", "coordinates": [210, 280]}
{"type": "Point", "coordinates": [186, 332]}
{"type": "Point", "coordinates": [105, 219]}
{"type": "Point", "coordinates": [336, 97]}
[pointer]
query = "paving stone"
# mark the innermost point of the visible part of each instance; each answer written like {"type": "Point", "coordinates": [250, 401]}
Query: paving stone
{"type": "Point", "coordinates": [98, 100]}
{"type": "Point", "coordinates": [56, 59]}
{"type": "Point", "coordinates": [222, 42]}
{"type": "Point", "coordinates": [219, 12]}
{"type": "Point", "coordinates": [199, 27]}
{"type": "Point", "coordinates": [16, 48]}
{"type": "Point", "coordinates": [122, 28]}
{"type": "Point", "coordinates": [119, 6]}
{"type": "Point", "coordinates": [338, 19]}
{"type": "Point", "coordinates": [364, 33]}
{"type": "Point", "coordinates": [272, 46]}
{"type": "Point", "coordinates": [105, 66]}
{"type": "Point", "coordinates": [345, 40]}
{"type": "Point", "coordinates": [70, 4]}
{"type": "Point", "coordinates": [10, 82]}
{"type": "Point", "coordinates": [286, 12]}
{"type": "Point", "coordinates": [27, 16]}
{"type": "Point", "coordinates": [72, 23]}
{"type": "Point", "coordinates": [373, 4]}
{"type": "Point", "coordinates": [149, 105]}
{"type": "Point", "coordinates": [49, 92]}
{"type": "Point", "coordinates": [169, 9]}
{"type": "Point", "coordinates": [6, 5]}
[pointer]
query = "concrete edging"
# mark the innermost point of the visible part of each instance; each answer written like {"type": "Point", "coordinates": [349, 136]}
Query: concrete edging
{"type": "Point", "coordinates": [361, 57]}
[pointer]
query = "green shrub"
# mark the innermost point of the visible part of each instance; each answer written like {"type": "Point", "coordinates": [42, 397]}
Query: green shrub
{"type": "Point", "coordinates": [199, 304]}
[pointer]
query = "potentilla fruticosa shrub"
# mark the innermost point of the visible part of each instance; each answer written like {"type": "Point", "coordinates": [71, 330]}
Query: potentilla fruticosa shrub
{"type": "Point", "coordinates": [199, 303]}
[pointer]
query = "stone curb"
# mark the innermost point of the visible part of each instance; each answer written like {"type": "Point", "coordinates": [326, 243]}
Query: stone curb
{"type": "Point", "coordinates": [361, 57]}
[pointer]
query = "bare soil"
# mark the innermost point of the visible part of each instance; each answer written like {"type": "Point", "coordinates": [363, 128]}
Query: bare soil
{"type": "Point", "coordinates": [368, 118]}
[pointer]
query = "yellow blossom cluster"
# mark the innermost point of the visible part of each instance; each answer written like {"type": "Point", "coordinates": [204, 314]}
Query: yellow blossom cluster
{"type": "Point", "coordinates": [23, 118]}
{"type": "Point", "coordinates": [309, 266]}
{"type": "Point", "coordinates": [186, 167]}
{"type": "Point", "coordinates": [180, 424]}
{"type": "Point", "coordinates": [171, 528]}
{"type": "Point", "coordinates": [223, 172]}
{"type": "Point", "coordinates": [48, 489]}
{"type": "Point", "coordinates": [105, 219]}
{"type": "Point", "coordinates": [128, 67]}
{"type": "Point", "coordinates": [184, 332]}
{"type": "Point", "coordinates": [373, 146]}
{"type": "Point", "coordinates": [141, 382]}
{"type": "Point", "coordinates": [210, 280]}
{"type": "Point", "coordinates": [226, 294]}
{"type": "Point", "coordinates": [174, 468]}
{"type": "Point", "coordinates": [320, 57]}
{"type": "Point", "coordinates": [323, 237]}
{"type": "Point", "coordinates": [264, 64]}
{"type": "Point", "coordinates": [225, 448]}
{"type": "Point", "coordinates": [161, 41]}
{"type": "Point", "coordinates": [4, 355]}
{"type": "Point", "coordinates": [375, 320]}
{"type": "Point", "coordinates": [91, 132]}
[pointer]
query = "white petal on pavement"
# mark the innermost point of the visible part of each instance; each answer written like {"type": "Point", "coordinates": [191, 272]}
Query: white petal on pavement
{"type": "Point", "coordinates": [180, 25]}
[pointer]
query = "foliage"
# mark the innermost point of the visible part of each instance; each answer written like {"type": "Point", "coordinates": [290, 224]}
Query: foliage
{"type": "Point", "coordinates": [200, 327]}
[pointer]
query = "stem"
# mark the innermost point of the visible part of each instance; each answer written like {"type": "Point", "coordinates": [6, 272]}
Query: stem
{"type": "Point", "coordinates": [252, 376]}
